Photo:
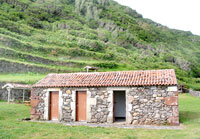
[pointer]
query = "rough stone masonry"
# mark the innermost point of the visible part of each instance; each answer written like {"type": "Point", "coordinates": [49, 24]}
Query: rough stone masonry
{"type": "Point", "coordinates": [153, 105]}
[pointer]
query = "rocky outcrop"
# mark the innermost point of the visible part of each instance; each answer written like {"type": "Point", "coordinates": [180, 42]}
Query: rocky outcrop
{"type": "Point", "coordinates": [183, 64]}
{"type": "Point", "coordinates": [89, 8]}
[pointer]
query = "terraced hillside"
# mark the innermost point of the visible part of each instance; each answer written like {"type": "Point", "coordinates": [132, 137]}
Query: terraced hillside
{"type": "Point", "coordinates": [41, 36]}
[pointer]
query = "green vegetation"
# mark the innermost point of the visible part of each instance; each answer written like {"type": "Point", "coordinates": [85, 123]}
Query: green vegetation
{"type": "Point", "coordinates": [66, 35]}
{"type": "Point", "coordinates": [12, 127]}
{"type": "Point", "coordinates": [28, 78]}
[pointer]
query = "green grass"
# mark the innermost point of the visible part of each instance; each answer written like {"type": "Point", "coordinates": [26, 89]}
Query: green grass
{"type": "Point", "coordinates": [29, 78]}
{"type": "Point", "coordinates": [12, 127]}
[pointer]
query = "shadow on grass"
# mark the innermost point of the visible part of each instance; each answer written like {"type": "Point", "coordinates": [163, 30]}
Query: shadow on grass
{"type": "Point", "coordinates": [188, 116]}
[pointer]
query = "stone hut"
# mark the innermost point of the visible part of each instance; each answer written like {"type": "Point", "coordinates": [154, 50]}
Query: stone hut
{"type": "Point", "coordinates": [136, 97]}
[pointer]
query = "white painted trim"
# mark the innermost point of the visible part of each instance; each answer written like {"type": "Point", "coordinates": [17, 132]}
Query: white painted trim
{"type": "Point", "coordinates": [53, 89]}
{"type": "Point", "coordinates": [172, 88]}
{"type": "Point", "coordinates": [90, 102]}
{"type": "Point", "coordinates": [73, 103]}
{"type": "Point", "coordinates": [110, 107]}
{"type": "Point", "coordinates": [60, 101]}
{"type": "Point", "coordinates": [23, 94]}
{"type": "Point", "coordinates": [118, 88]}
{"type": "Point", "coordinates": [126, 89]}
{"type": "Point", "coordinates": [128, 108]}
{"type": "Point", "coordinates": [9, 93]}
{"type": "Point", "coordinates": [46, 106]}
{"type": "Point", "coordinates": [8, 85]}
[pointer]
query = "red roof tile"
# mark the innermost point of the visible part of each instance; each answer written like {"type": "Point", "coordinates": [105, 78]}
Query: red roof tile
{"type": "Point", "coordinates": [119, 78]}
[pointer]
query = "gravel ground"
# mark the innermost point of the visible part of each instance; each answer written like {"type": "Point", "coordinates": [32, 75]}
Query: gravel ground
{"type": "Point", "coordinates": [117, 125]}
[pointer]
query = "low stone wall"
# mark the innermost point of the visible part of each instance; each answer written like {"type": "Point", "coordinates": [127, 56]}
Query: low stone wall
{"type": "Point", "coordinates": [194, 93]}
{"type": "Point", "coordinates": [35, 59]}
{"type": "Point", "coordinates": [19, 67]}
{"type": "Point", "coordinates": [3, 93]}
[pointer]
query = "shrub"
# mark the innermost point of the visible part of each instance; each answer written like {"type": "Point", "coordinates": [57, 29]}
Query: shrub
{"type": "Point", "coordinates": [109, 56]}
{"type": "Point", "coordinates": [91, 45]}
{"type": "Point", "coordinates": [109, 65]}
{"type": "Point", "coordinates": [195, 70]}
{"type": "Point", "coordinates": [93, 24]}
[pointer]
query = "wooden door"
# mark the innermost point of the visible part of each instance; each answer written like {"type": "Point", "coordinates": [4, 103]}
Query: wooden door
{"type": "Point", "coordinates": [54, 106]}
{"type": "Point", "coordinates": [81, 106]}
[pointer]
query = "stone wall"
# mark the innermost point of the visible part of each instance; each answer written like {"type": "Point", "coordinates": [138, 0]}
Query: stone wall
{"type": "Point", "coordinates": [3, 93]}
{"type": "Point", "coordinates": [99, 110]}
{"type": "Point", "coordinates": [144, 105]}
{"type": "Point", "coordinates": [38, 96]}
{"type": "Point", "coordinates": [153, 105]}
{"type": "Point", "coordinates": [40, 104]}
{"type": "Point", "coordinates": [67, 105]}
{"type": "Point", "coordinates": [194, 93]}
{"type": "Point", "coordinates": [12, 67]}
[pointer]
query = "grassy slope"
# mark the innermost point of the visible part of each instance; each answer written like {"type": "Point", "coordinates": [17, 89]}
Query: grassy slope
{"type": "Point", "coordinates": [65, 36]}
{"type": "Point", "coordinates": [29, 78]}
{"type": "Point", "coordinates": [12, 127]}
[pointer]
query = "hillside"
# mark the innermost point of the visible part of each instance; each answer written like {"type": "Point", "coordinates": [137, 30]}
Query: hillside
{"type": "Point", "coordinates": [41, 36]}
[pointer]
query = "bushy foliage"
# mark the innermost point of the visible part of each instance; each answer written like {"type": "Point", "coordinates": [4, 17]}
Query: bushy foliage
{"type": "Point", "coordinates": [108, 65]}
{"type": "Point", "coordinates": [94, 32]}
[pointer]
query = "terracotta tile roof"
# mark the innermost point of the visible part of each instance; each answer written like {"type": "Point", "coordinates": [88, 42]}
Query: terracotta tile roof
{"type": "Point", "coordinates": [120, 78]}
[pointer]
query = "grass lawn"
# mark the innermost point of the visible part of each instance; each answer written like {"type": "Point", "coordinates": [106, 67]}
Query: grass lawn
{"type": "Point", "coordinates": [28, 78]}
{"type": "Point", "coordinates": [12, 127]}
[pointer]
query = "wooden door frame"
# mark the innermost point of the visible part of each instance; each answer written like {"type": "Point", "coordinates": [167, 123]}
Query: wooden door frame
{"type": "Point", "coordinates": [47, 103]}
{"type": "Point", "coordinates": [52, 95]}
{"type": "Point", "coordinates": [76, 103]}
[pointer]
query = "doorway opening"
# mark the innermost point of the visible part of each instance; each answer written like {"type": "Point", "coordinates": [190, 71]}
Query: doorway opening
{"type": "Point", "coordinates": [119, 106]}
